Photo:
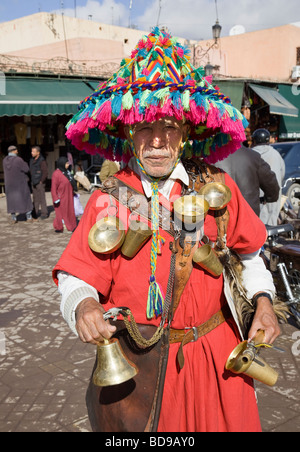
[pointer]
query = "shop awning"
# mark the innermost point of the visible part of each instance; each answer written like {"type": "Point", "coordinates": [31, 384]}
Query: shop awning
{"type": "Point", "coordinates": [38, 96]}
{"type": "Point", "coordinates": [289, 127]}
{"type": "Point", "coordinates": [278, 104]}
{"type": "Point", "coordinates": [232, 89]}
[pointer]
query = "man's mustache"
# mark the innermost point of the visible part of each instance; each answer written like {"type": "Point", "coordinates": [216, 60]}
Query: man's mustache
{"type": "Point", "coordinates": [156, 153]}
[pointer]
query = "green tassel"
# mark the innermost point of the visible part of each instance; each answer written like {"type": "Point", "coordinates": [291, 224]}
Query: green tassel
{"type": "Point", "coordinates": [229, 109]}
{"type": "Point", "coordinates": [162, 93]}
{"type": "Point", "coordinates": [127, 101]}
{"type": "Point", "coordinates": [185, 100]}
{"type": "Point", "coordinates": [143, 98]}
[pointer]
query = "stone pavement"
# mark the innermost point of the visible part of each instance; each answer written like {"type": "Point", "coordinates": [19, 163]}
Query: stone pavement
{"type": "Point", "coordinates": [44, 369]}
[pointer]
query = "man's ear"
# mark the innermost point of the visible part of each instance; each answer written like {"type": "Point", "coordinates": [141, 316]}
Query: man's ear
{"type": "Point", "coordinates": [128, 132]}
{"type": "Point", "coordinates": [186, 132]}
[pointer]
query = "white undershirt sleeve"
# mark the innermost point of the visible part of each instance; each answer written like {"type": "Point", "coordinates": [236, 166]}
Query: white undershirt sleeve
{"type": "Point", "coordinates": [73, 291]}
{"type": "Point", "coordinates": [256, 277]}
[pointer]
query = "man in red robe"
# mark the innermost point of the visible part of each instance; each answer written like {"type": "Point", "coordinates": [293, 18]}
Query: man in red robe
{"type": "Point", "coordinates": [198, 394]}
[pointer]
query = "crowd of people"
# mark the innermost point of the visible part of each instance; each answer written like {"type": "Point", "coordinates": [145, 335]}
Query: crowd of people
{"type": "Point", "coordinates": [25, 187]}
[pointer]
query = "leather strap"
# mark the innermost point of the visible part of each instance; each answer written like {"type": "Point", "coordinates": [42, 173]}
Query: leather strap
{"type": "Point", "coordinates": [136, 202]}
{"type": "Point", "coordinates": [191, 335]}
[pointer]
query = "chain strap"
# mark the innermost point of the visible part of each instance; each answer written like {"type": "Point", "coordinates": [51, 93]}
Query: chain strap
{"type": "Point", "coordinates": [131, 325]}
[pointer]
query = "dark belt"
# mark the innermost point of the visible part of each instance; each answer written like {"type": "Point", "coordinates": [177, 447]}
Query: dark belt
{"type": "Point", "coordinates": [191, 335]}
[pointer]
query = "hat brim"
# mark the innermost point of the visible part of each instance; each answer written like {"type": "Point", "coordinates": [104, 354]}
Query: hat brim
{"type": "Point", "coordinates": [216, 127]}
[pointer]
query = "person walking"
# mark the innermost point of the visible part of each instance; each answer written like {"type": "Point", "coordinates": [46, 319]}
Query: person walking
{"type": "Point", "coordinates": [269, 211]}
{"type": "Point", "coordinates": [39, 174]}
{"type": "Point", "coordinates": [252, 175]}
{"type": "Point", "coordinates": [62, 192]}
{"type": "Point", "coordinates": [16, 178]}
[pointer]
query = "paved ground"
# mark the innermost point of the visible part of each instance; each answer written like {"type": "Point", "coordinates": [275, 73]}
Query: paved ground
{"type": "Point", "coordinates": [44, 370]}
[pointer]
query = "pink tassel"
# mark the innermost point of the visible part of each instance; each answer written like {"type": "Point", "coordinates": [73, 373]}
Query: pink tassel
{"type": "Point", "coordinates": [213, 118]}
{"type": "Point", "coordinates": [104, 115]}
{"type": "Point", "coordinates": [167, 109]}
{"type": "Point", "coordinates": [209, 79]}
{"type": "Point", "coordinates": [91, 123]}
{"type": "Point", "coordinates": [197, 115]}
{"type": "Point", "coordinates": [150, 115]}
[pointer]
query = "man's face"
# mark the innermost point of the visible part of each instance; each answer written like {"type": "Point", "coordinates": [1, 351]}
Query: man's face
{"type": "Point", "coordinates": [157, 144]}
{"type": "Point", "coordinates": [34, 153]}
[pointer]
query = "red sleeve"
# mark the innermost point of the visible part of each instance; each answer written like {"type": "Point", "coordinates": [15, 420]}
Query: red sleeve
{"type": "Point", "coordinates": [78, 259]}
{"type": "Point", "coordinates": [246, 233]}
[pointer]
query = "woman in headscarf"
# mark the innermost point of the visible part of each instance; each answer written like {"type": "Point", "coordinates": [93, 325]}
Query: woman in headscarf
{"type": "Point", "coordinates": [62, 191]}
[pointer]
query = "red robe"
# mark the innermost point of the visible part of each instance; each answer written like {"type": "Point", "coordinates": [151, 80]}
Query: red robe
{"type": "Point", "coordinates": [61, 188]}
{"type": "Point", "coordinates": [203, 396]}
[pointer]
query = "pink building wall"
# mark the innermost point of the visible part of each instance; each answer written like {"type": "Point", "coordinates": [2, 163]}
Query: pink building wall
{"type": "Point", "coordinates": [265, 55]}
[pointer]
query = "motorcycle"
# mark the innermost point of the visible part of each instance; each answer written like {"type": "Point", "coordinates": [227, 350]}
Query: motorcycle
{"type": "Point", "coordinates": [281, 254]}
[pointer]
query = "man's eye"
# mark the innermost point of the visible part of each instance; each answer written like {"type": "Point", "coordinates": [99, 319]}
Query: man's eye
{"type": "Point", "coordinates": [144, 129]}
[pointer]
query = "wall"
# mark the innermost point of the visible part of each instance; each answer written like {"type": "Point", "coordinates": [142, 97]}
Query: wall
{"type": "Point", "coordinates": [264, 55]}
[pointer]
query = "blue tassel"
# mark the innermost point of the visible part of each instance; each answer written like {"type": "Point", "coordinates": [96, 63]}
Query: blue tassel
{"type": "Point", "coordinates": [116, 105]}
{"type": "Point", "coordinates": [155, 299]}
{"type": "Point", "coordinates": [176, 99]}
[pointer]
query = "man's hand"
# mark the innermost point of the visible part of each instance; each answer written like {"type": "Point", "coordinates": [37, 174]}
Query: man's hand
{"type": "Point", "coordinates": [90, 324]}
{"type": "Point", "coordinates": [266, 320]}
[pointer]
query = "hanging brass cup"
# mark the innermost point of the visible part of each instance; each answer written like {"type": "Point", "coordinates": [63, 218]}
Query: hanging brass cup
{"type": "Point", "coordinates": [216, 194]}
{"type": "Point", "coordinates": [113, 367]}
{"type": "Point", "coordinates": [206, 257]}
{"type": "Point", "coordinates": [191, 209]}
{"type": "Point", "coordinates": [138, 233]}
{"type": "Point", "coordinates": [244, 359]}
{"type": "Point", "coordinates": [107, 235]}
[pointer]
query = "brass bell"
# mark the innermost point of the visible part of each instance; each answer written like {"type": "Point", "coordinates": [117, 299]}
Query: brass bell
{"type": "Point", "coordinates": [206, 257]}
{"type": "Point", "coordinates": [107, 235]}
{"type": "Point", "coordinates": [113, 366]}
{"type": "Point", "coordinates": [191, 209]}
{"type": "Point", "coordinates": [216, 194]}
{"type": "Point", "coordinates": [244, 359]}
{"type": "Point", "coordinates": [137, 235]}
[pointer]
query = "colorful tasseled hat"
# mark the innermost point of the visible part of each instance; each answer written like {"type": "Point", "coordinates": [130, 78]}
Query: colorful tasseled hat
{"type": "Point", "coordinates": [158, 80]}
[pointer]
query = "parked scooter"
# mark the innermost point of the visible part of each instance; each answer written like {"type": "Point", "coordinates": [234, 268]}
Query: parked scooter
{"type": "Point", "coordinates": [281, 255]}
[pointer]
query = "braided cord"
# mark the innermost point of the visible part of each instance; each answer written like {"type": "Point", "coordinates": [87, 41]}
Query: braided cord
{"type": "Point", "coordinates": [155, 300]}
{"type": "Point", "coordinates": [131, 325]}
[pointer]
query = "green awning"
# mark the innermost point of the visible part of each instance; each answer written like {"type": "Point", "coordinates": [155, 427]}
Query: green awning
{"type": "Point", "coordinates": [278, 104]}
{"type": "Point", "coordinates": [38, 96]}
{"type": "Point", "coordinates": [232, 89]}
{"type": "Point", "coordinates": [289, 127]}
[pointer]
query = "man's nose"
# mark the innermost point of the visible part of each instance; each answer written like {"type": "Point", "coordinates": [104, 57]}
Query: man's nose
{"type": "Point", "coordinates": [158, 139]}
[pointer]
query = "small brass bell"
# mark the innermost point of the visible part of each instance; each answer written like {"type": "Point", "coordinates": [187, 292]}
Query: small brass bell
{"type": "Point", "coordinates": [216, 194]}
{"type": "Point", "coordinates": [113, 366]}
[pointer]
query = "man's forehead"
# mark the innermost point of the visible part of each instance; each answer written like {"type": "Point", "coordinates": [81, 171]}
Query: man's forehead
{"type": "Point", "coordinates": [162, 121]}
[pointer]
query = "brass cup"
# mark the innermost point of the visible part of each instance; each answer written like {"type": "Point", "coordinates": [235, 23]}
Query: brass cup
{"type": "Point", "coordinates": [107, 235]}
{"type": "Point", "coordinates": [206, 257]}
{"type": "Point", "coordinates": [244, 360]}
{"type": "Point", "coordinates": [191, 209]}
{"type": "Point", "coordinates": [216, 194]}
{"type": "Point", "coordinates": [113, 366]}
{"type": "Point", "coordinates": [138, 233]}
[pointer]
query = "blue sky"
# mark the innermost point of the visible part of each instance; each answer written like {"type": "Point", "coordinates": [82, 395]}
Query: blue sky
{"type": "Point", "coordinates": [192, 19]}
